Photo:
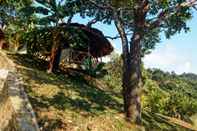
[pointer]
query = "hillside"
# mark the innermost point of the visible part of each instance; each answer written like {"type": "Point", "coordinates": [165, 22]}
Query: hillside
{"type": "Point", "coordinates": [69, 102]}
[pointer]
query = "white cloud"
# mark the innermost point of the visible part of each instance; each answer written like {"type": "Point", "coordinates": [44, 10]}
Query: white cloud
{"type": "Point", "coordinates": [168, 58]}
{"type": "Point", "coordinates": [188, 65]}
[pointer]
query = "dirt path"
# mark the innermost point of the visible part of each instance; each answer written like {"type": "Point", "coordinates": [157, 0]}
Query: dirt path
{"type": "Point", "coordinates": [5, 63]}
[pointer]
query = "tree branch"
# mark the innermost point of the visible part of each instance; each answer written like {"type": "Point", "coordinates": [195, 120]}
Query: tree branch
{"type": "Point", "coordinates": [93, 21]}
{"type": "Point", "coordinates": [117, 36]}
{"type": "Point", "coordinates": [70, 19]}
{"type": "Point", "coordinates": [164, 14]}
{"type": "Point", "coordinates": [113, 38]}
{"type": "Point", "coordinates": [195, 7]}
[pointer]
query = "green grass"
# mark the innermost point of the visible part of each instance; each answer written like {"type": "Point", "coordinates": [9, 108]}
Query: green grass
{"type": "Point", "coordinates": [64, 102]}
{"type": "Point", "coordinates": [69, 103]}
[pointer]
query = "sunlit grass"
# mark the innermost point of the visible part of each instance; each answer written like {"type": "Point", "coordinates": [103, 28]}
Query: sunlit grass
{"type": "Point", "coordinates": [71, 103]}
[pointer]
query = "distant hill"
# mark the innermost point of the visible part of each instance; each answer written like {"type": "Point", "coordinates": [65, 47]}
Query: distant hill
{"type": "Point", "coordinates": [164, 92]}
{"type": "Point", "coordinates": [189, 76]}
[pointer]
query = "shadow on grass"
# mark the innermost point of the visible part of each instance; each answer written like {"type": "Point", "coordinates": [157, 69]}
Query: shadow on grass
{"type": "Point", "coordinates": [89, 98]}
{"type": "Point", "coordinates": [29, 61]}
{"type": "Point", "coordinates": [51, 124]}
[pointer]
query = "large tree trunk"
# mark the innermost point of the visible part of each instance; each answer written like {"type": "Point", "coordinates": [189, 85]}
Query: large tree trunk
{"type": "Point", "coordinates": [55, 53]}
{"type": "Point", "coordinates": [131, 76]}
{"type": "Point", "coordinates": [131, 80]}
{"type": "Point", "coordinates": [57, 59]}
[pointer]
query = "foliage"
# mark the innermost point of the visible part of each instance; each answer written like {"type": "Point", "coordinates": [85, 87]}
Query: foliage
{"type": "Point", "coordinates": [41, 40]}
{"type": "Point", "coordinates": [144, 20]}
{"type": "Point", "coordinates": [174, 21]}
{"type": "Point", "coordinates": [24, 18]}
{"type": "Point", "coordinates": [92, 68]}
{"type": "Point", "coordinates": [53, 12]}
{"type": "Point", "coordinates": [182, 93]}
{"type": "Point", "coordinates": [69, 102]}
{"type": "Point", "coordinates": [189, 76]}
{"type": "Point", "coordinates": [14, 21]}
{"type": "Point", "coordinates": [114, 72]}
{"type": "Point", "coordinates": [165, 93]}
{"type": "Point", "coordinates": [11, 13]}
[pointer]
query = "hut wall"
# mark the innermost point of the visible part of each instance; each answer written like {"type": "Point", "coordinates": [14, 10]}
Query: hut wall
{"type": "Point", "coordinates": [73, 56]}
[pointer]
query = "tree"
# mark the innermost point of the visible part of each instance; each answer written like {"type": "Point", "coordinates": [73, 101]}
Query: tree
{"type": "Point", "coordinates": [145, 19]}
{"type": "Point", "coordinates": [53, 13]}
{"type": "Point", "coordinates": [14, 21]}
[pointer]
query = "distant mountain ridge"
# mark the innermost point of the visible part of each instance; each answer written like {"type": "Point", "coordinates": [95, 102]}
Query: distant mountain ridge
{"type": "Point", "coordinates": [189, 76]}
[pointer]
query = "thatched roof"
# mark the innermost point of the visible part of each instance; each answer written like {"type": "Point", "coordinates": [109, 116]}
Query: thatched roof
{"type": "Point", "coordinates": [75, 36]}
{"type": "Point", "coordinates": [98, 45]}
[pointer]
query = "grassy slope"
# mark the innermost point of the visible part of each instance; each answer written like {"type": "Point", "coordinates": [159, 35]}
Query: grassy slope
{"type": "Point", "coordinates": [68, 103]}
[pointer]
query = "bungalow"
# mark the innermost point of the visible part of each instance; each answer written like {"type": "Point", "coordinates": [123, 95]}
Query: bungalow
{"type": "Point", "coordinates": [69, 44]}
{"type": "Point", "coordinates": [94, 46]}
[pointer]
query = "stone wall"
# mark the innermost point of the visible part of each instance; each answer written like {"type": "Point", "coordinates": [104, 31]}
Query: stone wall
{"type": "Point", "coordinates": [15, 110]}
{"type": "Point", "coordinates": [16, 113]}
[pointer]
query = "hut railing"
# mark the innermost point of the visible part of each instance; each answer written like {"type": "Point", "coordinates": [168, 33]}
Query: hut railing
{"type": "Point", "coordinates": [74, 56]}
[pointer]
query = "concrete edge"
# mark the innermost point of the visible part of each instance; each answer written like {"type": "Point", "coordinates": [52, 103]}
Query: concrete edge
{"type": "Point", "coordinates": [25, 115]}
{"type": "Point", "coordinates": [23, 111]}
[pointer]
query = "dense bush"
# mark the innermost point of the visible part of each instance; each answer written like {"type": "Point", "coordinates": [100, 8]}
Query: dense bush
{"type": "Point", "coordinates": [41, 39]}
{"type": "Point", "coordinates": [164, 93]}
{"type": "Point", "coordinates": [93, 68]}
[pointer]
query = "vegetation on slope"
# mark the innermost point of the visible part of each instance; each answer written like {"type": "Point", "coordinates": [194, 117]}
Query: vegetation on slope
{"type": "Point", "coordinates": [163, 93]}
{"type": "Point", "coordinates": [67, 102]}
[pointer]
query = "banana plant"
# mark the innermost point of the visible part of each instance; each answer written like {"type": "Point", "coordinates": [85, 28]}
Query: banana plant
{"type": "Point", "coordinates": [93, 69]}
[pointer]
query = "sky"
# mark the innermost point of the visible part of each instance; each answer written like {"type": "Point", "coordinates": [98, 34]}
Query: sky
{"type": "Point", "coordinates": [178, 54]}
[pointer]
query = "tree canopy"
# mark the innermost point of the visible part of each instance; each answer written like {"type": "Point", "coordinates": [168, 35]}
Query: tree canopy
{"type": "Point", "coordinates": [145, 20]}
